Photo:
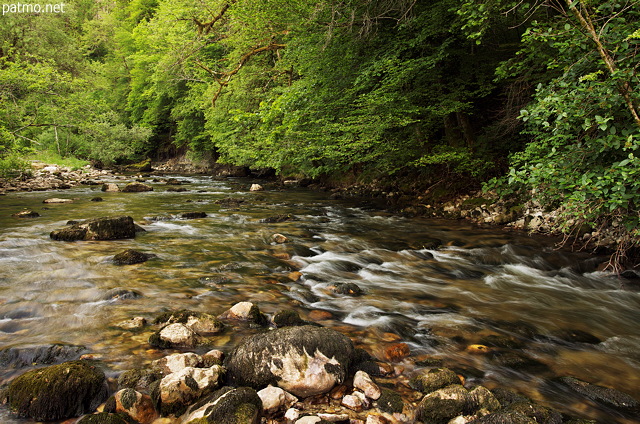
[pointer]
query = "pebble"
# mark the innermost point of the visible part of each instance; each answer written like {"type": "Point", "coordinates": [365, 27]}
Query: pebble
{"type": "Point", "coordinates": [363, 382]}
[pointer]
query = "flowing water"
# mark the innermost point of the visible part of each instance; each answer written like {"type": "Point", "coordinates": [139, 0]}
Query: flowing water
{"type": "Point", "coordinates": [479, 287]}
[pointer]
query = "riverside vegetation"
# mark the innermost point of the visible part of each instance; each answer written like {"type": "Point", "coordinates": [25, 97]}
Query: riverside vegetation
{"type": "Point", "coordinates": [537, 101]}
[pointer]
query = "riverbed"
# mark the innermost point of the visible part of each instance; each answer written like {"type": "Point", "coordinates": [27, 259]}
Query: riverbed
{"type": "Point", "coordinates": [441, 287]}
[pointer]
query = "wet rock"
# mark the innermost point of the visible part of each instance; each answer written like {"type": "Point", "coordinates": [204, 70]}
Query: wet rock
{"type": "Point", "coordinates": [600, 394]}
{"type": "Point", "coordinates": [173, 181]}
{"type": "Point", "coordinates": [138, 379]}
{"type": "Point", "coordinates": [121, 294]}
{"type": "Point", "coordinates": [442, 405]}
{"type": "Point", "coordinates": [278, 218]}
{"type": "Point", "coordinates": [57, 200]}
{"type": "Point", "coordinates": [131, 257]}
{"type": "Point", "coordinates": [20, 357]}
{"type": "Point", "coordinates": [67, 390]}
{"type": "Point", "coordinates": [177, 390]}
{"type": "Point", "coordinates": [504, 417]}
{"type": "Point", "coordinates": [577, 336]}
{"type": "Point", "coordinates": [501, 342]}
{"type": "Point", "coordinates": [356, 402]}
{"type": "Point", "coordinates": [229, 405]}
{"type": "Point", "coordinates": [279, 238]}
{"type": "Point", "coordinates": [483, 399]}
{"type": "Point", "coordinates": [537, 413]}
{"type": "Point", "coordinates": [136, 405]}
{"type": "Point", "coordinates": [202, 323]}
{"type": "Point", "coordinates": [105, 418]}
{"type": "Point", "coordinates": [507, 397]}
{"type": "Point", "coordinates": [396, 352]}
{"type": "Point", "coordinates": [256, 187]}
{"type": "Point", "coordinates": [175, 336]}
{"type": "Point", "coordinates": [288, 318]}
{"type": "Point", "coordinates": [97, 199]}
{"type": "Point", "coordinates": [518, 361]}
{"type": "Point", "coordinates": [26, 214]}
{"type": "Point", "coordinates": [349, 289]}
{"type": "Point", "coordinates": [193, 215]}
{"type": "Point", "coordinates": [427, 381]}
{"type": "Point", "coordinates": [106, 228]}
{"type": "Point", "coordinates": [363, 382]}
{"type": "Point", "coordinates": [213, 357]}
{"type": "Point", "coordinates": [245, 311]}
{"type": "Point", "coordinates": [304, 360]}
{"type": "Point", "coordinates": [178, 190]}
{"type": "Point", "coordinates": [390, 401]}
{"type": "Point", "coordinates": [274, 399]}
{"type": "Point", "coordinates": [132, 324]}
{"type": "Point", "coordinates": [230, 202]}
{"type": "Point", "coordinates": [110, 187]}
{"type": "Point", "coordinates": [136, 187]}
{"type": "Point", "coordinates": [177, 362]}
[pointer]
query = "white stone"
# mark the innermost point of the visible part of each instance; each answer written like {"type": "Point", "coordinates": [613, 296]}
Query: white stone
{"type": "Point", "coordinates": [178, 334]}
{"type": "Point", "coordinates": [177, 362]}
{"type": "Point", "coordinates": [256, 187]}
{"type": "Point", "coordinates": [363, 382]}
{"type": "Point", "coordinates": [279, 238]}
{"type": "Point", "coordinates": [334, 417]}
{"type": "Point", "coordinates": [58, 200]}
{"type": "Point", "coordinates": [376, 419]}
{"type": "Point", "coordinates": [173, 387]}
{"type": "Point", "coordinates": [292, 414]}
{"type": "Point", "coordinates": [302, 374]}
{"type": "Point", "coordinates": [239, 310]}
{"type": "Point", "coordinates": [355, 401]}
{"type": "Point", "coordinates": [309, 419]}
{"type": "Point", "coordinates": [275, 399]}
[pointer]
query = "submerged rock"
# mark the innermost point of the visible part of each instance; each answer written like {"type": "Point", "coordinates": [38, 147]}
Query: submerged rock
{"type": "Point", "coordinates": [26, 214]}
{"type": "Point", "coordinates": [349, 289]}
{"type": "Point", "coordinates": [105, 418]}
{"type": "Point", "coordinates": [20, 357]}
{"type": "Point", "coordinates": [278, 218]}
{"type": "Point", "coordinates": [304, 361]}
{"type": "Point", "coordinates": [136, 187]}
{"type": "Point", "coordinates": [105, 228]}
{"type": "Point", "coordinates": [57, 392]}
{"type": "Point", "coordinates": [57, 200]}
{"type": "Point", "coordinates": [599, 394]}
{"type": "Point", "coordinates": [131, 257]}
{"type": "Point", "coordinates": [193, 215]}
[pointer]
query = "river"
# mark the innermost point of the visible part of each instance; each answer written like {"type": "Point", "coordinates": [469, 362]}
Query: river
{"type": "Point", "coordinates": [479, 286]}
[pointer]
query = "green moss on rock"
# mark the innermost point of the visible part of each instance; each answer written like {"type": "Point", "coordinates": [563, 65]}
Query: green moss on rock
{"type": "Point", "coordinates": [390, 401]}
{"type": "Point", "coordinates": [106, 418]}
{"type": "Point", "coordinates": [57, 392]}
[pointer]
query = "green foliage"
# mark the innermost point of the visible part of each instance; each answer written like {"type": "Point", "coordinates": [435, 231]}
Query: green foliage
{"type": "Point", "coordinates": [582, 156]}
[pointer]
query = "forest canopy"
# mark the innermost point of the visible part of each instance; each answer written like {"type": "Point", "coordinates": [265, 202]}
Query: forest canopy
{"type": "Point", "coordinates": [534, 98]}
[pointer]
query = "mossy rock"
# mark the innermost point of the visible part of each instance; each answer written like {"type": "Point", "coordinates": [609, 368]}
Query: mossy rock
{"type": "Point", "coordinates": [538, 413]}
{"type": "Point", "coordinates": [106, 418]}
{"type": "Point", "coordinates": [131, 257]}
{"type": "Point", "coordinates": [390, 401]}
{"type": "Point", "coordinates": [200, 322]}
{"type": "Point", "coordinates": [349, 289]}
{"type": "Point", "coordinates": [229, 405]}
{"type": "Point", "coordinates": [474, 202]}
{"type": "Point", "coordinates": [104, 228]}
{"type": "Point", "coordinates": [57, 392]}
{"type": "Point", "coordinates": [442, 405]}
{"type": "Point", "coordinates": [427, 381]}
{"type": "Point", "coordinates": [138, 379]}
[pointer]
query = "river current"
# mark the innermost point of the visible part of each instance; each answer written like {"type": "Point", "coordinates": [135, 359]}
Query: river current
{"type": "Point", "coordinates": [438, 286]}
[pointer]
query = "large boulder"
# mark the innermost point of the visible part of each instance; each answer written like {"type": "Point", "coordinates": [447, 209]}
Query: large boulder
{"type": "Point", "coordinates": [67, 390]}
{"type": "Point", "coordinates": [105, 228]}
{"type": "Point", "coordinates": [599, 394]}
{"type": "Point", "coordinates": [304, 360]}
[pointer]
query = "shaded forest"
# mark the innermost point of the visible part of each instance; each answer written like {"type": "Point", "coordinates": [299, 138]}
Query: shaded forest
{"type": "Point", "coordinates": [528, 99]}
